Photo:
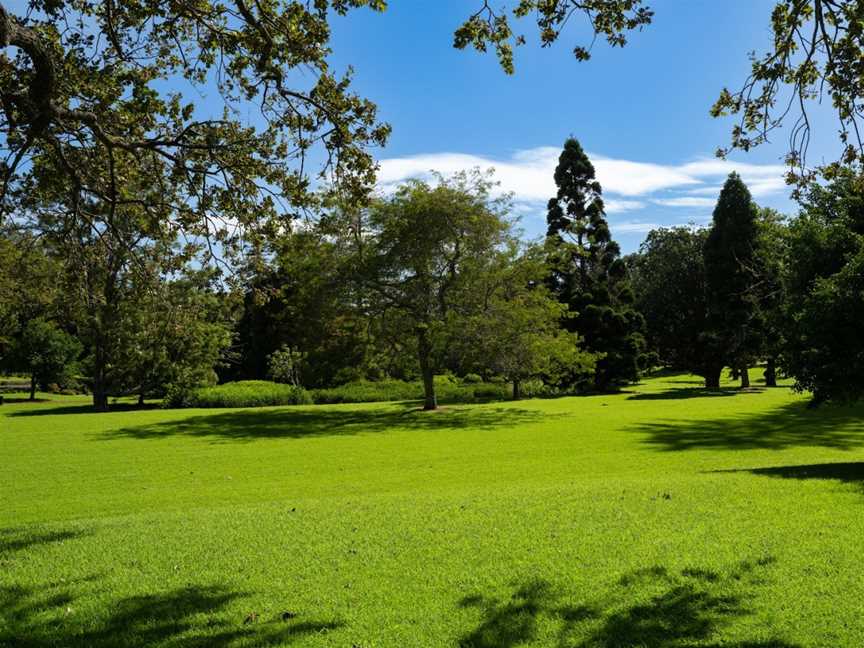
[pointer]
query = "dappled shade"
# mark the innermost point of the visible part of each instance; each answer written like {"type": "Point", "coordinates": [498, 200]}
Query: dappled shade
{"type": "Point", "coordinates": [690, 606]}
{"type": "Point", "coordinates": [183, 618]}
{"type": "Point", "coordinates": [791, 425]}
{"type": "Point", "coordinates": [249, 425]}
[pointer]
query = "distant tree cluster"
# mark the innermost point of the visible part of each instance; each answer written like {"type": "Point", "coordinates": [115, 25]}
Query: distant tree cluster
{"type": "Point", "coordinates": [149, 245]}
{"type": "Point", "coordinates": [757, 287]}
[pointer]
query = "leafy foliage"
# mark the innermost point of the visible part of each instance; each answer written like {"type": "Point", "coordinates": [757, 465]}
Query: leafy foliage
{"type": "Point", "coordinates": [283, 365]}
{"type": "Point", "coordinates": [816, 54]}
{"type": "Point", "coordinates": [515, 332]}
{"type": "Point", "coordinates": [425, 248]}
{"type": "Point", "coordinates": [46, 353]}
{"type": "Point", "coordinates": [608, 19]}
{"type": "Point", "coordinates": [668, 277]}
{"type": "Point", "coordinates": [825, 292]}
{"type": "Point", "coordinates": [244, 393]}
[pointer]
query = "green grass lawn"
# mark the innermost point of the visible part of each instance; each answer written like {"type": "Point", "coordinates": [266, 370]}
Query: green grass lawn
{"type": "Point", "coordinates": [658, 517]}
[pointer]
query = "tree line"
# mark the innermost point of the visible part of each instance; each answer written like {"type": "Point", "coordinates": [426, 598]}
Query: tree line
{"type": "Point", "coordinates": [161, 244]}
{"type": "Point", "coordinates": [435, 277]}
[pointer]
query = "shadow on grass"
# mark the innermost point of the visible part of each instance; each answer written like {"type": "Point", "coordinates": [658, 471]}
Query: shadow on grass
{"type": "Point", "coordinates": [84, 408]}
{"type": "Point", "coordinates": [252, 424]}
{"type": "Point", "coordinates": [791, 425]}
{"type": "Point", "coordinates": [672, 609]}
{"type": "Point", "coordinates": [681, 393]}
{"type": "Point", "coordinates": [847, 473]}
{"type": "Point", "coordinates": [20, 539]}
{"type": "Point", "coordinates": [48, 615]}
{"type": "Point", "coordinates": [180, 618]}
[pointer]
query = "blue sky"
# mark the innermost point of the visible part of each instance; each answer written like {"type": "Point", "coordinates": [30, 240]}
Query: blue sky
{"type": "Point", "coordinates": [641, 112]}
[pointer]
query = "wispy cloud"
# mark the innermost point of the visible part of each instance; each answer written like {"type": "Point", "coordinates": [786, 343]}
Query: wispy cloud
{"type": "Point", "coordinates": [528, 174]}
{"type": "Point", "coordinates": [685, 201]}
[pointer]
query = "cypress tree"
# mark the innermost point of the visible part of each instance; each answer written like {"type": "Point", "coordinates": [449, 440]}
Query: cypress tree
{"type": "Point", "coordinates": [588, 273]}
{"type": "Point", "coordinates": [732, 331]}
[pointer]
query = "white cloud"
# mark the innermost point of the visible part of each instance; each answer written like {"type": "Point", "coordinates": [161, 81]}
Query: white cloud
{"type": "Point", "coordinates": [633, 227]}
{"type": "Point", "coordinates": [685, 201]}
{"type": "Point", "coordinates": [628, 185]}
{"type": "Point", "coordinates": [614, 206]}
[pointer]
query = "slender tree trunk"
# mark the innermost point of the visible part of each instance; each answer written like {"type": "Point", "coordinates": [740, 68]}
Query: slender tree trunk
{"type": "Point", "coordinates": [141, 398]}
{"type": "Point", "coordinates": [517, 389]}
{"type": "Point", "coordinates": [745, 377]}
{"type": "Point", "coordinates": [771, 372]}
{"type": "Point", "coordinates": [100, 395]}
{"type": "Point", "coordinates": [424, 351]}
{"type": "Point", "coordinates": [712, 377]}
{"type": "Point", "coordinates": [32, 387]}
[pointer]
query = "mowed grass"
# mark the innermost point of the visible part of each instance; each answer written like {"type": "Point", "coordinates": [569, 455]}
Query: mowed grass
{"type": "Point", "coordinates": [662, 516]}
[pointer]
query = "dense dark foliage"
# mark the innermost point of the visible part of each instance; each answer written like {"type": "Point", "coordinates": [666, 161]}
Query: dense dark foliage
{"type": "Point", "coordinates": [668, 276]}
{"type": "Point", "coordinates": [731, 334]}
{"type": "Point", "coordinates": [824, 349]}
{"type": "Point", "coordinates": [588, 273]}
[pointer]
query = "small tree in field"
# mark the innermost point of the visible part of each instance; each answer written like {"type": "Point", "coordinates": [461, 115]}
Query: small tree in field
{"type": "Point", "coordinates": [423, 244]}
{"type": "Point", "coordinates": [515, 331]}
{"type": "Point", "coordinates": [46, 353]}
{"type": "Point", "coordinates": [283, 366]}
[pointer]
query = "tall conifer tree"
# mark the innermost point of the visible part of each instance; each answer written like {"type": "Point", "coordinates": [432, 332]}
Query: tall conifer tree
{"type": "Point", "coordinates": [588, 273]}
{"type": "Point", "coordinates": [732, 334]}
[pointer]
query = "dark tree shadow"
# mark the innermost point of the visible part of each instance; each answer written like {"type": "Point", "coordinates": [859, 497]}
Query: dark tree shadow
{"type": "Point", "coordinates": [84, 408]}
{"type": "Point", "coordinates": [23, 399]}
{"type": "Point", "coordinates": [682, 609]}
{"type": "Point", "coordinates": [683, 393]}
{"type": "Point", "coordinates": [513, 622]}
{"type": "Point", "coordinates": [251, 424]}
{"type": "Point", "coordinates": [182, 618]}
{"type": "Point", "coordinates": [19, 539]}
{"type": "Point", "coordinates": [791, 425]}
{"type": "Point", "coordinates": [847, 473]}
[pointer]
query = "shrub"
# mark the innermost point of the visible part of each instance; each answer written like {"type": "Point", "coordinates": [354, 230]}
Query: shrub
{"type": "Point", "coordinates": [447, 388]}
{"type": "Point", "coordinates": [366, 391]}
{"type": "Point", "coordinates": [244, 393]}
{"type": "Point", "coordinates": [472, 378]}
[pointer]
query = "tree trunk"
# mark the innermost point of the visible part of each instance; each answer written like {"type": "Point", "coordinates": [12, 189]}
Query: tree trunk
{"type": "Point", "coordinates": [100, 395]}
{"type": "Point", "coordinates": [712, 377]}
{"type": "Point", "coordinates": [517, 389]}
{"type": "Point", "coordinates": [32, 387]}
{"type": "Point", "coordinates": [141, 398]}
{"type": "Point", "coordinates": [424, 351]}
{"type": "Point", "coordinates": [771, 373]}
{"type": "Point", "coordinates": [745, 377]}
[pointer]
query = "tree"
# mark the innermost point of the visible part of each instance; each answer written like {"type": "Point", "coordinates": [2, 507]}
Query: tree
{"type": "Point", "coordinates": [304, 297]}
{"type": "Point", "coordinates": [423, 244]}
{"type": "Point", "coordinates": [46, 353]}
{"type": "Point", "coordinates": [588, 273]}
{"type": "Point", "coordinates": [668, 278]}
{"type": "Point", "coordinates": [170, 336]}
{"type": "Point", "coordinates": [284, 366]}
{"type": "Point", "coordinates": [103, 96]}
{"type": "Point", "coordinates": [824, 277]}
{"type": "Point", "coordinates": [515, 330]}
{"type": "Point", "coordinates": [772, 250]}
{"type": "Point", "coordinates": [815, 52]}
{"type": "Point", "coordinates": [608, 19]}
{"type": "Point", "coordinates": [731, 335]}
{"type": "Point", "coordinates": [29, 286]}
